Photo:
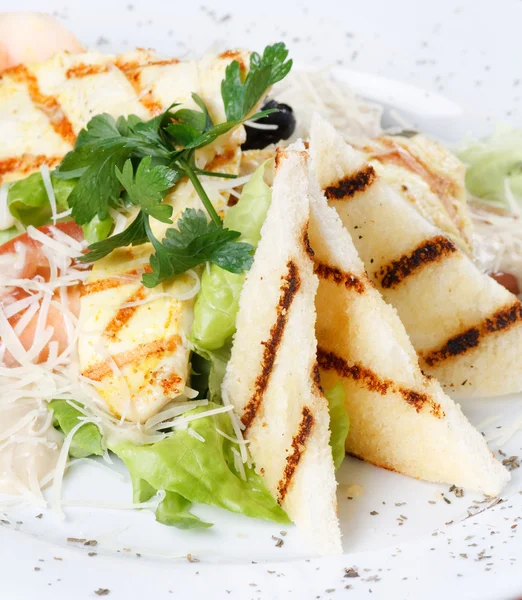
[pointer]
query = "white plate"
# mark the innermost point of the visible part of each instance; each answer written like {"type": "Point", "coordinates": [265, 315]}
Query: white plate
{"type": "Point", "coordinates": [416, 546]}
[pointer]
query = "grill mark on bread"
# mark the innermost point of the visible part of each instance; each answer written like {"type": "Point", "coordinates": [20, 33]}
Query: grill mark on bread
{"type": "Point", "coordinates": [350, 281]}
{"type": "Point", "coordinates": [501, 320]}
{"type": "Point", "coordinates": [123, 315]}
{"type": "Point", "coordinates": [289, 288]}
{"type": "Point", "coordinates": [141, 352]}
{"type": "Point", "coordinates": [329, 361]}
{"type": "Point", "coordinates": [430, 251]}
{"type": "Point", "coordinates": [49, 105]}
{"type": "Point", "coordinates": [306, 242]}
{"type": "Point", "coordinates": [351, 185]}
{"type": "Point", "coordinates": [84, 70]}
{"type": "Point", "coordinates": [298, 447]}
{"type": "Point", "coordinates": [316, 378]}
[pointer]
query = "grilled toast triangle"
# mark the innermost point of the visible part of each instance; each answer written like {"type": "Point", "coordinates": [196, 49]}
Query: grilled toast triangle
{"type": "Point", "coordinates": [399, 418]}
{"type": "Point", "coordinates": [466, 328]}
{"type": "Point", "coordinates": [272, 379]}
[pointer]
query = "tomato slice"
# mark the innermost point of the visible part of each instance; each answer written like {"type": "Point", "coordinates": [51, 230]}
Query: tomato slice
{"type": "Point", "coordinates": [35, 263]}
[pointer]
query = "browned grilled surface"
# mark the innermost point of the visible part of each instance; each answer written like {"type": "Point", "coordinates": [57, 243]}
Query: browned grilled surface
{"type": "Point", "coordinates": [430, 251]}
{"type": "Point", "coordinates": [316, 378]}
{"type": "Point", "coordinates": [109, 283]}
{"type": "Point", "coordinates": [298, 447]}
{"type": "Point", "coordinates": [351, 282]}
{"type": "Point", "coordinates": [27, 163]}
{"type": "Point", "coordinates": [234, 55]}
{"type": "Point", "coordinates": [352, 184]}
{"type": "Point", "coordinates": [289, 288]}
{"type": "Point", "coordinates": [84, 70]}
{"type": "Point", "coordinates": [306, 242]}
{"type": "Point", "coordinates": [49, 105]}
{"type": "Point", "coordinates": [132, 71]}
{"type": "Point", "coordinates": [460, 344]}
{"type": "Point", "coordinates": [329, 361]}
{"type": "Point", "coordinates": [102, 369]}
{"type": "Point", "coordinates": [123, 315]}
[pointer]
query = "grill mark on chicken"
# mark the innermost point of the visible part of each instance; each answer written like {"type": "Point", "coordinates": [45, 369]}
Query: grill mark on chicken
{"type": "Point", "coordinates": [298, 447]}
{"type": "Point", "coordinates": [27, 163]}
{"type": "Point", "coordinates": [429, 251]}
{"type": "Point", "coordinates": [289, 288]}
{"type": "Point", "coordinates": [100, 370]}
{"type": "Point", "coordinates": [501, 320]}
{"type": "Point", "coordinates": [329, 361]}
{"type": "Point", "coordinates": [109, 283]}
{"type": "Point", "coordinates": [84, 70]}
{"type": "Point", "coordinates": [132, 71]}
{"type": "Point", "coordinates": [350, 281]}
{"type": "Point", "coordinates": [352, 184]}
{"type": "Point", "coordinates": [123, 315]}
{"type": "Point", "coordinates": [49, 105]}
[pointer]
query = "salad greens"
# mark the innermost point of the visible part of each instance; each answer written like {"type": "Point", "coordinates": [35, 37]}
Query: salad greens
{"type": "Point", "coordinates": [186, 468]}
{"type": "Point", "coordinates": [493, 165]}
{"type": "Point", "coordinates": [28, 200]}
{"type": "Point", "coordinates": [339, 422]}
{"type": "Point", "coordinates": [218, 300]}
{"type": "Point", "coordinates": [8, 234]}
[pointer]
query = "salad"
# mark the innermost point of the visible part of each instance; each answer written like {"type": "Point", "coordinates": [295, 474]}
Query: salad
{"type": "Point", "coordinates": [189, 286]}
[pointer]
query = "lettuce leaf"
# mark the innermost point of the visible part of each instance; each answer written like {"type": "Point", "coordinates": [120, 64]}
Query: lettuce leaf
{"type": "Point", "coordinates": [201, 471]}
{"type": "Point", "coordinates": [28, 201]}
{"type": "Point", "coordinates": [173, 510]}
{"type": "Point", "coordinates": [87, 440]}
{"type": "Point", "coordinates": [218, 300]}
{"type": "Point", "coordinates": [493, 164]}
{"type": "Point", "coordinates": [8, 234]}
{"type": "Point", "coordinates": [339, 422]}
{"type": "Point", "coordinates": [208, 371]}
{"type": "Point", "coordinates": [188, 469]}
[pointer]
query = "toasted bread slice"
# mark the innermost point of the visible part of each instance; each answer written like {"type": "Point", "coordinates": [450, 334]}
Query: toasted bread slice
{"type": "Point", "coordinates": [466, 328]}
{"type": "Point", "coordinates": [272, 377]}
{"type": "Point", "coordinates": [399, 418]}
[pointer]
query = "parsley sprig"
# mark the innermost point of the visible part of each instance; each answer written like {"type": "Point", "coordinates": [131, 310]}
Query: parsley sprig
{"type": "Point", "coordinates": [129, 161]}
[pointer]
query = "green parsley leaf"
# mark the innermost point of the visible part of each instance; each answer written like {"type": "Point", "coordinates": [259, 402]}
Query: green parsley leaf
{"type": "Point", "coordinates": [240, 97]}
{"type": "Point", "coordinates": [134, 235]}
{"type": "Point", "coordinates": [148, 186]}
{"type": "Point", "coordinates": [195, 242]}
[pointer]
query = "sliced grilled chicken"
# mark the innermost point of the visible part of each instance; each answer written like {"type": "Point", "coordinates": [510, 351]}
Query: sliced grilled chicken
{"type": "Point", "coordinates": [399, 418]}
{"type": "Point", "coordinates": [272, 378]}
{"type": "Point", "coordinates": [466, 327]}
{"type": "Point", "coordinates": [44, 106]}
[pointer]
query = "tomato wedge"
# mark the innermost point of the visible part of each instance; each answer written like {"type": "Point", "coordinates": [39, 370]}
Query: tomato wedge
{"type": "Point", "coordinates": [33, 264]}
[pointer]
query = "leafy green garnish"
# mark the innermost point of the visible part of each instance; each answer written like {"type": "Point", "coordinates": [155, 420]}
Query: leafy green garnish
{"type": "Point", "coordinates": [208, 370]}
{"type": "Point", "coordinates": [87, 440]}
{"type": "Point", "coordinates": [131, 161]}
{"type": "Point", "coordinates": [217, 303]}
{"type": "Point", "coordinates": [28, 200]}
{"type": "Point", "coordinates": [339, 422]}
{"type": "Point", "coordinates": [173, 510]}
{"type": "Point", "coordinates": [201, 471]}
{"type": "Point", "coordinates": [188, 469]}
{"type": "Point", "coordinates": [196, 241]}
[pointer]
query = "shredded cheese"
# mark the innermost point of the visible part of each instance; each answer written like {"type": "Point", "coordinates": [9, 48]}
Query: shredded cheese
{"type": "Point", "coordinates": [48, 184]}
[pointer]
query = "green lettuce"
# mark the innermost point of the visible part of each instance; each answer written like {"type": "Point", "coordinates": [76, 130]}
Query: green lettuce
{"type": "Point", "coordinates": [87, 440]}
{"type": "Point", "coordinates": [97, 230]}
{"type": "Point", "coordinates": [187, 469]}
{"type": "Point", "coordinates": [199, 471]}
{"type": "Point", "coordinates": [493, 163]}
{"type": "Point", "coordinates": [339, 422]}
{"type": "Point", "coordinates": [208, 371]}
{"type": "Point", "coordinates": [8, 234]}
{"type": "Point", "coordinates": [28, 201]}
{"type": "Point", "coordinates": [218, 299]}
